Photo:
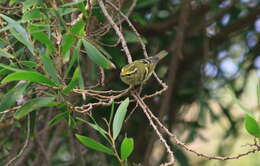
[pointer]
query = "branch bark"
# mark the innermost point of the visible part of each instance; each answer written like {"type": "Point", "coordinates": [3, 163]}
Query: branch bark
{"type": "Point", "coordinates": [177, 47]}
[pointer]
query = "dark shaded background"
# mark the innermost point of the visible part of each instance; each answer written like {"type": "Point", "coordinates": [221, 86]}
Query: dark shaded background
{"type": "Point", "coordinates": [212, 44]}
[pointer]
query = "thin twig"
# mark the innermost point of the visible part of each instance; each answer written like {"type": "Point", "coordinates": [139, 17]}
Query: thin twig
{"type": "Point", "coordinates": [145, 109]}
{"type": "Point", "coordinates": [179, 142]}
{"type": "Point", "coordinates": [102, 76]}
{"type": "Point", "coordinates": [10, 110]}
{"type": "Point", "coordinates": [80, 16]}
{"type": "Point", "coordinates": [143, 47]}
{"type": "Point", "coordinates": [117, 30]}
{"type": "Point", "coordinates": [106, 28]}
{"type": "Point", "coordinates": [132, 27]}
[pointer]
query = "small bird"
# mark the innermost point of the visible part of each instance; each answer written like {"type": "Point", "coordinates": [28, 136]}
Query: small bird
{"type": "Point", "coordinates": [139, 71]}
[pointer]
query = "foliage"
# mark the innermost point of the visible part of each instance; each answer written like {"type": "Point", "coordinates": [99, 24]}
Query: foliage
{"type": "Point", "coordinates": [60, 63]}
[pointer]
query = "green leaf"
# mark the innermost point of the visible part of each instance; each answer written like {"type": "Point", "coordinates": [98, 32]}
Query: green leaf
{"type": "Point", "coordinates": [5, 54]}
{"type": "Point", "coordinates": [29, 64]}
{"type": "Point", "coordinates": [50, 67]}
{"type": "Point", "coordinates": [72, 3]}
{"type": "Point", "coordinates": [19, 32]}
{"type": "Point", "coordinates": [31, 105]}
{"type": "Point", "coordinates": [127, 147]}
{"type": "Point", "coordinates": [96, 56]}
{"type": "Point", "coordinates": [67, 42]}
{"type": "Point", "coordinates": [29, 3]}
{"type": "Point", "coordinates": [66, 57]}
{"type": "Point", "coordinates": [138, 17]}
{"type": "Point", "coordinates": [8, 67]}
{"type": "Point", "coordinates": [9, 99]}
{"type": "Point", "coordinates": [130, 37]}
{"type": "Point", "coordinates": [74, 57]}
{"type": "Point", "coordinates": [28, 76]}
{"type": "Point", "coordinates": [119, 117]}
{"type": "Point", "coordinates": [81, 7]}
{"type": "Point", "coordinates": [4, 71]}
{"type": "Point", "coordinates": [74, 81]}
{"type": "Point", "coordinates": [252, 126]}
{"type": "Point", "coordinates": [57, 118]}
{"type": "Point", "coordinates": [119, 60]}
{"type": "Point", "coordinates": [65, 11]}
{"type": "Point", "coordinates": [95, 126]}
{"type": "Point", "coordinates": [33, 14]}
{"type": "Point", "coordinates": [77, 28]}
{"type": "Point", "coordinates": [69, 39]}
{"type": "Point", "coordinates": [112, 112]}
{"type": "Point", "coordinates": [92, 144]}
{"type": "Point", "coordinates": [40, 36]}
{"type": "Point", "coordinates": [102, 50]}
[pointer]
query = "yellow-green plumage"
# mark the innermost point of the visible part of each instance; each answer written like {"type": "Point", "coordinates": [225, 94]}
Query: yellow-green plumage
{"type": "Point", "coordinates": [139, 71]}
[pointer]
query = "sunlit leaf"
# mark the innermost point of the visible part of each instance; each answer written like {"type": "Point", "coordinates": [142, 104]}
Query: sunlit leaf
{"type": "Point", "coordinates": [28, 76]}
{"type": "Point", "coordinates": [77, 28]}
{"type": "Point", "coordinates": [252, 126]}
{"type": "Point", "coordinates": [92, 144]}
{"type": "Point", "coordinates": [19, 32]}
{"type": "Point", "coordinates": [96, 56]}
{"type": "Point", "coordinates": [119, 117]}
{"type": "Point", "coordinates": [127, 147]}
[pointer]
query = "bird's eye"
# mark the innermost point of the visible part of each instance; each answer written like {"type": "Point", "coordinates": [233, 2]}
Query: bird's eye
{"type": "Point", "coordinates": [146, 61]}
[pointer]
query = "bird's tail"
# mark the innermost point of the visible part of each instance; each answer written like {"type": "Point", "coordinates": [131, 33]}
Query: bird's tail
{"type": "Point", "coordinates": [158, 56]}
{"type": "Point", "coordinates": [161, 54]}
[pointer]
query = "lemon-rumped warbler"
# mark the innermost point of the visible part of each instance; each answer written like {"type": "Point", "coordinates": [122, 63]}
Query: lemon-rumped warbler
{"type": "Point", "coordinates": [139, 71]}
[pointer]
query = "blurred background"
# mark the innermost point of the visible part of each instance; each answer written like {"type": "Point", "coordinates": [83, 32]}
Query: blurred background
{"type": "Point", "coordinates": [212, 72]}
{"type": "Point", "coordinates": [214, 54]}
